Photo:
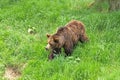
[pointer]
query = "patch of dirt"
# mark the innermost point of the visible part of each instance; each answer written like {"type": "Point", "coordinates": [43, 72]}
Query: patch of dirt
{"type": "Point", "coordinates": [12, 73]}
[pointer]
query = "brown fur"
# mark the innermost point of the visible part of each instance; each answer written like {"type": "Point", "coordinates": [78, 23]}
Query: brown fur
{"type": "Point", "coordinates": [67, 37]}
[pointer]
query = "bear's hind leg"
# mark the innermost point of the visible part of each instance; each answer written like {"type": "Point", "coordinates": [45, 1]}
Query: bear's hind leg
{"type": "Point", "coordinates": [83, 38]}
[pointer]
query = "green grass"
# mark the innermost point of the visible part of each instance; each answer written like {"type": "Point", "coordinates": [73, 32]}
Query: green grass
{"type": "Point", "coordinates": [99, 58]}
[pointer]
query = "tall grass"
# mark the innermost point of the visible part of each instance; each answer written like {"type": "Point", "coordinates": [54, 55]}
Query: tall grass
{"type": "Point", "coordinates": [99, 58]}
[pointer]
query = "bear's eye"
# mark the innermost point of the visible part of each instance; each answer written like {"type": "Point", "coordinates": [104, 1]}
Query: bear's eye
{"type": "Point", "coordinates": [56, 40]}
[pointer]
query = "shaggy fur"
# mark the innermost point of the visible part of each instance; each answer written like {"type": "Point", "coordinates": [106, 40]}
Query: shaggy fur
{"type": "Point", "coordinates": [66, 37]}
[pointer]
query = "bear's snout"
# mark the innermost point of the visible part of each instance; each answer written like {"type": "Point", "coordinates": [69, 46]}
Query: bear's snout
{"type": "Point", "coordinates": [48, 47]}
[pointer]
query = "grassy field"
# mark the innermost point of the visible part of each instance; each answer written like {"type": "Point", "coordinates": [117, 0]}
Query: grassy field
{"type": "Point", "coordinates": [99, 58]}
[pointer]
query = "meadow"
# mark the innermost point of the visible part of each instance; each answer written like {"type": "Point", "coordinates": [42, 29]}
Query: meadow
{"type": "Point", "coordinates": [98, 59]}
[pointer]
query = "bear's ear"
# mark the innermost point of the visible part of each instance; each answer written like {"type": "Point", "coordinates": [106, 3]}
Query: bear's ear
{"type": "Point", "coordinates": [56, 40]}
{"type": "Point", "coordinates": [48, 35]}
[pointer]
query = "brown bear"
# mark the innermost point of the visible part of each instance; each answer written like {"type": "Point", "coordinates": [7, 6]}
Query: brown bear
{"type": "Point", "coordinates": [66, 37]}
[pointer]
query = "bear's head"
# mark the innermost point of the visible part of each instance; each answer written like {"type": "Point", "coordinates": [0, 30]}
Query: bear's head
{"type": "Point", "coordinates": [54, 41]}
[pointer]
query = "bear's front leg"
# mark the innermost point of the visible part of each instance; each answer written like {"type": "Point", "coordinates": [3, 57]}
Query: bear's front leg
{"type": "Point", "coordinates": [68, 52]}
{"type": "Point", "coordinates": [53, 53]}
{"type": "Point", "coordinates": [68, 49]}
{"type": "Point", "coordinates": [57, 50]}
